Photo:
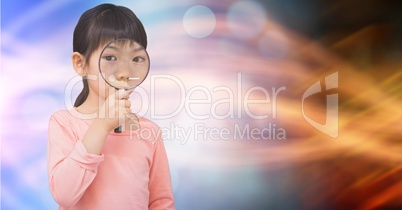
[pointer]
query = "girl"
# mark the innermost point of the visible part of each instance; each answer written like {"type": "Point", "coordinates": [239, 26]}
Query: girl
{"type": "Point", "coordinates": [90, 166]}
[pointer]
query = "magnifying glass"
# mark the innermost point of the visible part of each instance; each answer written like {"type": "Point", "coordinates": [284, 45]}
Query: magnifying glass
{"type": "Point", "coordinates": [124, 64]}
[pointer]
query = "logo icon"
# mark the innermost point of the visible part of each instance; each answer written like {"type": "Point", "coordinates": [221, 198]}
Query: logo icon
{"type": "Point", "coordinates": [330, 127]}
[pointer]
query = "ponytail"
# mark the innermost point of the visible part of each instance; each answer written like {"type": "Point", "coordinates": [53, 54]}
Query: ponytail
{"type": "Point", "coordinates": [84, 93]}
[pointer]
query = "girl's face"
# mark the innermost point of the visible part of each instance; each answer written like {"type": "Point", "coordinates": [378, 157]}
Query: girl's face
{"type": "Point", "coordinates": [124, 64]}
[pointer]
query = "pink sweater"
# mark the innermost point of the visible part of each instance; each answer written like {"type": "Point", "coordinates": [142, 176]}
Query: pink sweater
{"type": "Point", "coordinates": [131, 173]}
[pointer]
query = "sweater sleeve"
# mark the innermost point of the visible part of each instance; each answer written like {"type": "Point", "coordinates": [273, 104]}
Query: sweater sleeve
{"type": "Point", "coordinates": [160, 187]}
{"type": "Point", "coordinates": [71, 168]}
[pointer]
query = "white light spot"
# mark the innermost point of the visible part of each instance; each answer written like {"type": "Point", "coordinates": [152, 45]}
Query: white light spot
{"type": "Point", "coordinates": [111, 78]}
{"type": "Point", "coordinates": [199, 21]}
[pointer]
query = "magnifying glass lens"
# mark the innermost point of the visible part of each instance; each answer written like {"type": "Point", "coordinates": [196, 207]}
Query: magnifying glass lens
{"type": "Point", "coordinates": [124, 63]}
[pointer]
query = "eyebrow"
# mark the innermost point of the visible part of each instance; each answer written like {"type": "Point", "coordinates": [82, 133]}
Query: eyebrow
{"type": "Point", "coordinates": [118, 49]}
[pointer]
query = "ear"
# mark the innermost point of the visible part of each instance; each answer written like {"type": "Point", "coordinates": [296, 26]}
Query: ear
{"type": "Point", "coordinates": [78, 63]}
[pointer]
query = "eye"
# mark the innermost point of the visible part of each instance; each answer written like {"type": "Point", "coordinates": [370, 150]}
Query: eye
{"type": "Point", "coordinates": [110, 58]}
{"type": "Point", "coordinates": [138, 59]}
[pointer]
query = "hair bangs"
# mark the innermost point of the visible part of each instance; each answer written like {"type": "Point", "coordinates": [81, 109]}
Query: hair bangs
{"type": "Point", "coordinates": [111, 25]}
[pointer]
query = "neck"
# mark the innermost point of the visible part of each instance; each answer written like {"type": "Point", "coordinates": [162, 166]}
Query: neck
{"type": "Point", "coordinates": [91, 104]}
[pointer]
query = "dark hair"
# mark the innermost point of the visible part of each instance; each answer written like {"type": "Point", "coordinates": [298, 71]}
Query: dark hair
{"type": "Point", "coordinates": [99, 25]}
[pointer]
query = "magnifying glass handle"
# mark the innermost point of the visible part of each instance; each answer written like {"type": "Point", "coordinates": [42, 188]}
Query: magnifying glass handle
{"type": "Point", "coordinates": [117, 130]}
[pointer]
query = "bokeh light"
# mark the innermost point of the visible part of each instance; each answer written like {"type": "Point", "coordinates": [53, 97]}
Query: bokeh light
{"type": "Point", "coordinates": [199, 21]}
{"type": "Point", "coordinates": [246, 19]}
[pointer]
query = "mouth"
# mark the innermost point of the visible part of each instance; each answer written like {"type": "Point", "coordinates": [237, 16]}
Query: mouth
{"type": "Point", "coordinates": [119, 84]}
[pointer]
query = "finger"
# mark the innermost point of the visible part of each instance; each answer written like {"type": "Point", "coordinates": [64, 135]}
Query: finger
{"type": "Point", "coordinates": [120, 94]}
{"type": "Point", "coordinates": [124, 112]}
{"type": "Point", "coordinates": [128, 93]}
{"type": "Point", "coordinates": [124, 104]}
{"type": "Point", "coordinates": [128, 110]}
{"type": "Point", "coordinates": [128, 103]}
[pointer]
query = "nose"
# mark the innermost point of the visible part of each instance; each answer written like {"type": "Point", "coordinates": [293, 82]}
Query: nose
{"type": "Point", "coordinates": [123, 72]}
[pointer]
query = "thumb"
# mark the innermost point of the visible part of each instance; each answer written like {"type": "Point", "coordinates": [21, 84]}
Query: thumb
{"type": "Point", "coordinates": [120, 94]}
{"type": "Point", "coordinates": [128, 93]}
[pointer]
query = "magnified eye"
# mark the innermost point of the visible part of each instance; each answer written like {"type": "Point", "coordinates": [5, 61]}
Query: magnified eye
{"type": "Point", "coordinates": [110, 58]}
{"type": "Point", "coordinates": [138, 59]}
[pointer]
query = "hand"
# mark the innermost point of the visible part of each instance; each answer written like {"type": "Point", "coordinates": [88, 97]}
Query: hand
{"type": "Point", "coordinates": [115, 108]}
